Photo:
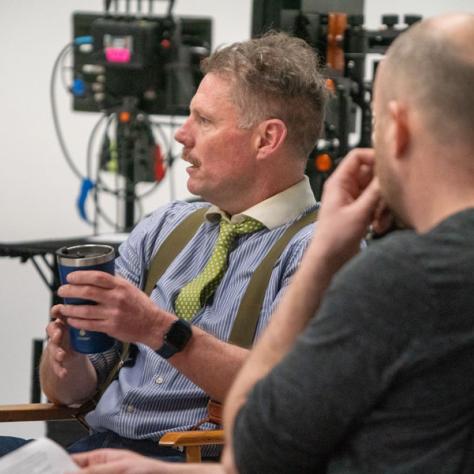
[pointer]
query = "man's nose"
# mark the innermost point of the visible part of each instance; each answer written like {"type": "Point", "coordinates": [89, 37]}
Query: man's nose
{"type": "Point", "coordinates": [182, 135]}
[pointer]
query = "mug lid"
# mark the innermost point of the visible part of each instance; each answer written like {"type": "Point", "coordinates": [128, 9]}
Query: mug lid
{"type": "Point", "coordinates": [85, 254]}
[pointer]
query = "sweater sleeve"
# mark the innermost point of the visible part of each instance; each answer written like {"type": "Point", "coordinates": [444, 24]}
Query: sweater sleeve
{"type": "Point", "coordinates": [297, 416]}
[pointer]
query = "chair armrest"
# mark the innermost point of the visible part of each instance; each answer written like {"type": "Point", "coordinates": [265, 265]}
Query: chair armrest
{"type": "Point", "coordinates": [36, 412]}
{"type": "Point", "coordinates": [192, 438]}
{"type": "Point", "coordinates": [192, 441]}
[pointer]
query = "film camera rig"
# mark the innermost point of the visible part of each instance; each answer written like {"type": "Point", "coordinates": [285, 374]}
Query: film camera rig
{"type": "Point", "coordinates": [128, 65]}
{"type": "Point", "coordinates": [152, 59]}
{"type": "Point", "coordinates": [343, 43]}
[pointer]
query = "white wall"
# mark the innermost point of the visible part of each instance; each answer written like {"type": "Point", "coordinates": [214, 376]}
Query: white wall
{"type": "Point", "coordinates": [37, 189]}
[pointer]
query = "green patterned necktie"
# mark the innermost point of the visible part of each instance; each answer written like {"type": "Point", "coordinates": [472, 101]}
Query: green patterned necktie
{"type": "Point", "coordinates": [194, 294]}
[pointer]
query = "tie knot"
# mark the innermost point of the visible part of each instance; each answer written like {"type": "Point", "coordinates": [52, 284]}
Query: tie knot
{"type": "Point", "coordinates": [247, 226]}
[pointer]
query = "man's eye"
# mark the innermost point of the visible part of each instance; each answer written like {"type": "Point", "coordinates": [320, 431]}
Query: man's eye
{"type": "Point", "coordinates": [203, 120]}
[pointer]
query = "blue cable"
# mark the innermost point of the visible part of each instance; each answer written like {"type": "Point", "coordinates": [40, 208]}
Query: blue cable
{"type": "Point", "coordinates": [86, 187]}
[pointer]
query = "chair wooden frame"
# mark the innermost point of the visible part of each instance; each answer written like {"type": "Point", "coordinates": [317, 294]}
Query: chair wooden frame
{"type": "Point", "coordinates": [37, 412]}
{"type": "Point", "coordinates": [189, 441]}
{"type": "Point", "coordinates": [192, 441]}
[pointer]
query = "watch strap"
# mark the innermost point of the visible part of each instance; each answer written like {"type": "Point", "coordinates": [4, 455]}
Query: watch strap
{"type": "Point", "coordinates": [167, 350]}
{"type": "Point", "coordinates": [175, 339]}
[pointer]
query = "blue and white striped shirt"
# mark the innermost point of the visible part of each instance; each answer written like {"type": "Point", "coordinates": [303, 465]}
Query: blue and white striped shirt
{"type": "Point", "coordinates": [152, 396]}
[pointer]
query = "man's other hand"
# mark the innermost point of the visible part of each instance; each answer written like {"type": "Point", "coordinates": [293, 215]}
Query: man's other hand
{"type": "Point", "coordinates": [58, 349]}
{"type": "Point", "coordinates": [121, 310]}
{"type": "Point", "coordinates": [350, 198]}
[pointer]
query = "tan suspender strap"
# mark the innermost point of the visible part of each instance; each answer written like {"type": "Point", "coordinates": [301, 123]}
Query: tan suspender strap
{"type": "Point", "coordinates": [172, 246]}
{"type": "Point", "coordinates": [245, 324]}
{"type": "Point", "coordinates": [168, 251]}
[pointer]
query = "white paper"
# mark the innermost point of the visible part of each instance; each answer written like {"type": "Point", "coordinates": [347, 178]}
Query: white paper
{"type": "Point", "coordinates": [41, 456]}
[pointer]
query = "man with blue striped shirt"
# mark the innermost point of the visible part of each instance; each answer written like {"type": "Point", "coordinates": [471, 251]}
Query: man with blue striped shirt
{"type": "Point", "coordinates": [253, 121]}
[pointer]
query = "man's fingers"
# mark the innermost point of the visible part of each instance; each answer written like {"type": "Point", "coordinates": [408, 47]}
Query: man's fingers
{"type": "Point", "coordinates": [59, 370]}
{"type": "Point", "coordinates": [55, 331]}
{"type": "Point", "coordinates": [88, 324]}
{"type": "Point", "coordinates": [352, 175]}
{"type": "Point", "coordinates": [109, 468]}
{"type": "Point", "coordinates": [83, 292]}
{"type": "Point", "coordinates": [92, 277]}
{"type": "Point", "coordinates": [58, 346]}
{"type": "Point", "coordinates": [55, 312]}
{"type": "Point", "coordinates": [57, 357]}
{"type": "Point", "coordinates": [103, 461]}
{"type": "Point", "coordinates": [84, 312]}
{"type": "Point", "coordinates": [51, 329]}
{"type": "Point", "coordinates": [57, 317]}
{"type": "Point", "coordinates": [369, 199]}
{"type": "Point", "coordinates": [89, 458]}
{"type": "Point", "coordinates": [60, 355]}
{"type": "Point", "coordinates": [355, 159]}
{"type": "Point", "coordinates": [366, 173]}
{"type": "Point", "coordinates": [99, 456]}
{"type": "Point", "coordinates": [366, 204]}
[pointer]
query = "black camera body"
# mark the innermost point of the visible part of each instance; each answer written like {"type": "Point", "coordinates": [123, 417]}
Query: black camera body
{"type": "Point", "coordinates": [336, 31]}
{"type": "Point", "coordinates": [153, 59]}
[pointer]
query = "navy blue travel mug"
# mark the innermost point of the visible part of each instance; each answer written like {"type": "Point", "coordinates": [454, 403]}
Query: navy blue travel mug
{"type": "Point", "coordinates": [86, 257]}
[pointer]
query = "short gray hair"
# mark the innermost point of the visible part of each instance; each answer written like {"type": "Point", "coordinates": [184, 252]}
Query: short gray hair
{"type": "Point", "coordinates": [275, 76]}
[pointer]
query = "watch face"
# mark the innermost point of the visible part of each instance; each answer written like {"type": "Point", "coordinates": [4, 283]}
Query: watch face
{"type": "Point", "coordinates": [179, 334]}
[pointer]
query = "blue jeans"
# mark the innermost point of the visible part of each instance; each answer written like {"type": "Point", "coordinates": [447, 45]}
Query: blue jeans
{"type": "Point", "coordinates": [10, 443]}
{"type": "Point", "coordinates": [106, 439]}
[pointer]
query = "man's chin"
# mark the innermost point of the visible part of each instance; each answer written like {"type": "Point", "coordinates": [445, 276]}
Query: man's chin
{"type": "Point", "coordinates": [195, 189]}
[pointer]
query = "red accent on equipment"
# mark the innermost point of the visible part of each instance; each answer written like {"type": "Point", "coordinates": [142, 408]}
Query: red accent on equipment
{"type": "Point", "coordinates": [160, 168]}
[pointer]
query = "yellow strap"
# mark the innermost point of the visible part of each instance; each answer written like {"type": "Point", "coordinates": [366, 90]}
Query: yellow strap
{"type": "Point", "coordinates": [245, 324]}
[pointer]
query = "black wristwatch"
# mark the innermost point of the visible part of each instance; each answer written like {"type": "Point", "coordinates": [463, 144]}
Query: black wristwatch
{"type": "Point", "coordinates": [175, 339]}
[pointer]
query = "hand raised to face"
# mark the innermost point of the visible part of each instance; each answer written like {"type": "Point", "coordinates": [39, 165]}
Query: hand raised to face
{"type": "Point", "coordinates": [350, 198]}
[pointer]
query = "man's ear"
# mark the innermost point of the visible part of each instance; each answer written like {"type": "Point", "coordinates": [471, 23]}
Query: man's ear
{"type": "Point", "coordinates": [270, 137]}
{"type": "Point", "coordinates": [399, 128]}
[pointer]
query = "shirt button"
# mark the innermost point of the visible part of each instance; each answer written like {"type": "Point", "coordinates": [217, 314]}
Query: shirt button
{"type": "Point", "coordinates": [159, 380]}
{"type": "Point", "coordinates": [130, 408]}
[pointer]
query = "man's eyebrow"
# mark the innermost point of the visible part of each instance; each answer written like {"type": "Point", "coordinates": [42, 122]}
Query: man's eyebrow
{"type": "Point", "coordinates": [195, 107]}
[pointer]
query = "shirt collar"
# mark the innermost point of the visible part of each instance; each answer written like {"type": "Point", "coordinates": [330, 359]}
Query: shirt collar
{"type": "Point", "coordinates": [277, 209]}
